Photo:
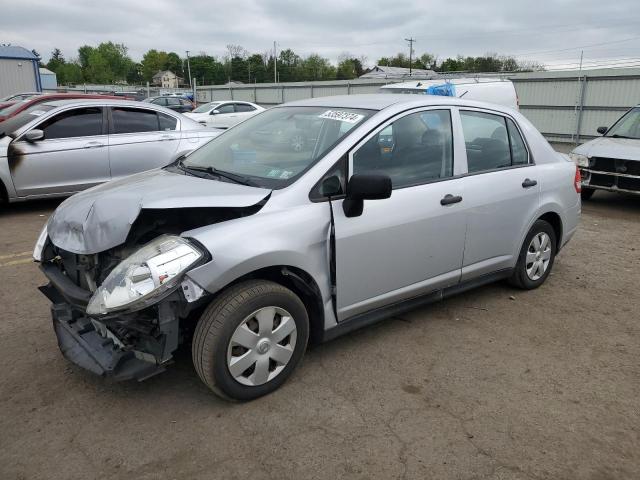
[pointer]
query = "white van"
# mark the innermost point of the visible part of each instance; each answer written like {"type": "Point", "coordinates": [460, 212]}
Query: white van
{"type": "Point", "coordinates": [492, 90]}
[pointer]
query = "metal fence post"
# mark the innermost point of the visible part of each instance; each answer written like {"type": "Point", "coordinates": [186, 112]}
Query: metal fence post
{"type": "Point", "coordinates": [583, 88]}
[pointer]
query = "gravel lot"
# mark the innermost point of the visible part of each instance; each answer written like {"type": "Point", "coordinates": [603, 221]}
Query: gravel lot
{"type": "Point", "coordinates": [496, 383]}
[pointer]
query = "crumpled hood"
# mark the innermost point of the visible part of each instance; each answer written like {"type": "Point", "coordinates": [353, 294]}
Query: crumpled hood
{"type": "Point", "coordinates": [100, 218]}
{"type": "Point", "coordinates": [622, 148]}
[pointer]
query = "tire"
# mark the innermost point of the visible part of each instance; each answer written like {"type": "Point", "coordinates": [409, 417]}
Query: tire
{"type": "Point", "coordinates": [526, 275]}
{"type": "Point", "coordinates": [234, 315]}
{"type": "Point", "coordinates": [586, 193]}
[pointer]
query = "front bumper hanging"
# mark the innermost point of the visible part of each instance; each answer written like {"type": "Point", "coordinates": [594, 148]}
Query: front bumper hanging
{"type": "Point", "coordinates": [80, 343]}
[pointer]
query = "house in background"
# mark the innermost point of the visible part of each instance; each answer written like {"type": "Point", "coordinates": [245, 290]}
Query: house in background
{"type": "Point", "coordinates": [166, 79]}
{"type": "Point", "coordinates": [48, 79]}
{"type": "Point", "coordinates": [382, 71]}
{"type": "Point", "coordinates": [18, 71]}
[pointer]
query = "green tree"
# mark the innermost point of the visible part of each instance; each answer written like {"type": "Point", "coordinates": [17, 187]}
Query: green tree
{"type": "Point", "coordinates": [117, 61]}
{"type": "Point", "coordinates": [349, 67]}
{"type": "Point", "coordinates": [207, 70]}
{"type": "Point", "coordinates": [152, 62]}
{"type": "Point", "coordinates": [69, 73]}
{"type": "Point", "coordinates": [98, 69]}
{"type": "Point", "coordinates": [316, 67]}
{"type": "Point", "coordinates": [56, 61]}
{"type": "Point", "coordinates": [175, 64]}
{"type": "Point", "coordinates": [257, 69]}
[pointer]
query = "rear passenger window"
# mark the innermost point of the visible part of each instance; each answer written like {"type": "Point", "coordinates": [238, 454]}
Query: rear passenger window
{"type": "Point", "coordinates": [133, 120]}
{"type": "Point", "coordinates": [519, 154]}
{"type": "Point", "coordinates": [414, 149]}
{"type": "Point", "coordinates": [167, 122]}
{"type": "Point", "coordinates": [492, 141]}
{"type": "Point", "coordinates": [79, 122]}
{"type": "Point", "coordinates": [243, 107]}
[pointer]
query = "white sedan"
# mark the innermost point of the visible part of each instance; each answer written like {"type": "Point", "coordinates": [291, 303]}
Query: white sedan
{"type": "Point", "coordinates": [224, 114]}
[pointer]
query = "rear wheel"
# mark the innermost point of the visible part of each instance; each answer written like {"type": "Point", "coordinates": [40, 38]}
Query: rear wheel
{"type": "Point", "coordinates": [536, 257]}
{"type": "Point", "coordinates": [586, 193]}
{"type": "Point", "coordinates": [250, 339]}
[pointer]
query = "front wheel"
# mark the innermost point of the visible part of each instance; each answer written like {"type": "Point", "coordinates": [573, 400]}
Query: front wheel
{"type": "Point", "coordinates": [250, 339]}
{"type": "Point", "coordinates": [536, 257]}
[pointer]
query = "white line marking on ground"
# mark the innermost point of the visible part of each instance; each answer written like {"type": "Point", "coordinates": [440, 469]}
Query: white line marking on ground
{"type": "Point", "coordinates": [14, 255]}
{"type": "Point", "coordinates": [17, 262]}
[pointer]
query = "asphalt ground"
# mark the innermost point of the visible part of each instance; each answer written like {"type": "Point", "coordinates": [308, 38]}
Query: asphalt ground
{"type": "Point", "coordinates": [495, 383]}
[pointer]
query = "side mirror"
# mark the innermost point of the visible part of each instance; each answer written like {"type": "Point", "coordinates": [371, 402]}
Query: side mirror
{"type": "Point", "coordinates": [34, 135]}
{"type": "Point", "coordinates": [214, 112]}
{"type": "Point", "coordinates": [365, 187]}
{"type": "Point", "coordinates": [331, 186]}
{"type": "Point", "coordinates": [602, 130]}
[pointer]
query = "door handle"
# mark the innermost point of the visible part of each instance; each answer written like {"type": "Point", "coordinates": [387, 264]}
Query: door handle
{"type": "Point", "coordinates": [529, 183]}
{"type": "Point", "coordinates": [166, 137]}
{"type": "Point", "coordinates": [450, 199]}
{"type": "Point", "coordinates": [93, 145]}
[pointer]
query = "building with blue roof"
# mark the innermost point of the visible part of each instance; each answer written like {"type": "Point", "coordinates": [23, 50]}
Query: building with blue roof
{"type": "Point", "coordinates": [18, 71]}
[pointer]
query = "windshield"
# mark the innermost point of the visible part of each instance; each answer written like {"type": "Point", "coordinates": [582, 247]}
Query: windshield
{"type": "Point", "coordinates": [206, 107]}
{"type": "Point", "coordinates": [628, 126]}
{"type": "Point", "coordinates": [12, 108]}
{"type": "Point", "coordinates": [12, 124]}
{"type": "Point", "coordinates": [17, 96]}
{"type": "Point", "coordinates": [274, 147]}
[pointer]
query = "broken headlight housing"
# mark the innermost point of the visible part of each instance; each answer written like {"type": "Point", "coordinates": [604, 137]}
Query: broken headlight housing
{"type": "Point", "coordinates": [145, 277]}
{"type": "Point", "coordinates": [579, 160]}
{"type": "Point", "coordinates": [39, 247]}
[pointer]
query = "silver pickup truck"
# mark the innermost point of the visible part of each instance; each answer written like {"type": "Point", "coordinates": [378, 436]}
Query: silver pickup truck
{"type": "Point", "coordinates": [62, 147]}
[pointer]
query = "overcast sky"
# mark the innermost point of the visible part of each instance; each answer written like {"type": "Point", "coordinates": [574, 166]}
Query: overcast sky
{"type": "Point", "coordinates": [549, 32]}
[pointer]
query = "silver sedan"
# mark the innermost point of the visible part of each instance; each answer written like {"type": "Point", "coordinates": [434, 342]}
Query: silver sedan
{"type": "Point", "coordinates": [247, 250]}
{"type": "Point", "coordinates": [62, 147]}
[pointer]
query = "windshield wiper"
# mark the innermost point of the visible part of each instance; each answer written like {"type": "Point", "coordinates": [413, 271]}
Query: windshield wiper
{"type": "Point", "coordinates": [615, 135]}
{"type": "Point", "coordinates": [214, 172]}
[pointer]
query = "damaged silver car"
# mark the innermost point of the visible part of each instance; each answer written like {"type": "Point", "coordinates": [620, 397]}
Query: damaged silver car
{"type": "Point", "coordinates": [247, 251]}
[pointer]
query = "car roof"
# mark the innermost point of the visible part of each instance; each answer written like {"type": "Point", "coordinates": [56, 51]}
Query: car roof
{"type": "Point", "coordinates": [99, 101]}
{"type": "Point", "coordinates": [380, 101]}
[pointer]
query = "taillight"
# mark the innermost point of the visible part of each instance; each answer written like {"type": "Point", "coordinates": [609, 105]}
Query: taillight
{"type": "Point", "coordinates": [578, 181]}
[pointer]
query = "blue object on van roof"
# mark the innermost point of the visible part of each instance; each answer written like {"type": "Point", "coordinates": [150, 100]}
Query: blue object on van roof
{"type": "Point", "coordinates": [444, 90]}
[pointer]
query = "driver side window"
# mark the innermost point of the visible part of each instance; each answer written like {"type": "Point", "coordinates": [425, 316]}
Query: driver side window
{"type": "Point", "coordinates": [415, 149]}
{"type": "Point", "coordinates": [79, 122]}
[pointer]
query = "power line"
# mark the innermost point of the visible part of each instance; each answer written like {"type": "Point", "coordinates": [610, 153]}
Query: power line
{"type": "Point", "coordinates": [579, 47]}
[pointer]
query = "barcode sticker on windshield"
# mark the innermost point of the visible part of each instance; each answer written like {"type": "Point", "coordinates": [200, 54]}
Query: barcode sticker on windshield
{"type": "Point", "coordinates": [342, 116]}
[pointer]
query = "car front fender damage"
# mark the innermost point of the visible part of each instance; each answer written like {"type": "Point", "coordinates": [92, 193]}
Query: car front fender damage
{"type": "Point", "coordinates": [126, 345]}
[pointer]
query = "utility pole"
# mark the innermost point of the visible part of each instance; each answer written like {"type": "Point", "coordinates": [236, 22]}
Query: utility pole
{"type": "Point", "coordinates": [411, 41]}
{"type": "Point", "coordinates": [275, 61]}
{"type": "Point", "coordinates": [189, 69]}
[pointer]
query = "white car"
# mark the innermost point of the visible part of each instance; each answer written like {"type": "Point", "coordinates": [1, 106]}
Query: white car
{"type": "Point", "coordinates": [612, 161]}
{"type": "Point", "coordinates": [224, 114]}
